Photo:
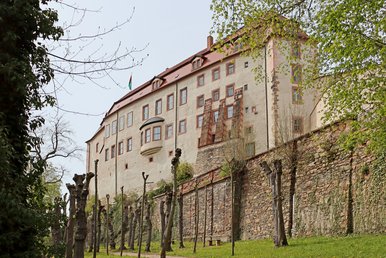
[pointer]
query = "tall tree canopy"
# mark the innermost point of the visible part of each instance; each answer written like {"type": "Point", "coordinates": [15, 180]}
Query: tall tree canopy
{"type": "Point", "coordinates": [24, 69]}
{"type": "Point", "coordinates": [350, 38]}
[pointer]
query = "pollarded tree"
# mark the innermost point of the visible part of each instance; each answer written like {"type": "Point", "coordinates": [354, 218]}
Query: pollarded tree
{"type": "Point", "coordinates": [350, 39]}
{"type": "Point", "coordinates": [24, 69]}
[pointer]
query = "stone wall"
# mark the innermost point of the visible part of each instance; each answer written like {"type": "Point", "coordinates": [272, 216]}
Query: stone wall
{"type": "Point", "coordinates": [331, 185]}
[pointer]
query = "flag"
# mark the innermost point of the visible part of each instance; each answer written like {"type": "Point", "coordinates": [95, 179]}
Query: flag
{"type": "Point", "coordinates": [130, 82]}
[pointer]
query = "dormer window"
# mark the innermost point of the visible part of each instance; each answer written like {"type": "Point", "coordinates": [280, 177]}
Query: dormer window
{"type": "Point", "coordinates": [156, 84]}
{"type": "Point", "coordinates": [197, 63]}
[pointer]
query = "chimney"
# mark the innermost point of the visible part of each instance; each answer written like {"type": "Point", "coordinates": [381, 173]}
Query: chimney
{"type": "Point", "coordinates": [209, 42]}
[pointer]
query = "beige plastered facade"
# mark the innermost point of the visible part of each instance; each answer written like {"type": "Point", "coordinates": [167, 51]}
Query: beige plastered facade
{"type": "Point", "coordinates": [267, 108]}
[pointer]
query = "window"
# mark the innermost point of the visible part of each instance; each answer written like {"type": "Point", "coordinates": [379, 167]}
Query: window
{"type": "Point", "coordinates": [151, 159]}
{"type": "Point", "coordinates": [129, 146]}
{"type": "Point", "coordinates": [245, 87]}
{"type": "Point", "coordinates": [200, 101]}
{"type": "Point", "coordinates": [200, 80]}
{"type": "Point", "coordinates": [229, 111]}
{"type": "Point", "coordinates": [200, 119]}
{"type": "Point", "coordinates": [141, 138]}
{"type": "Point", "coordinates": [97, 147]}
{"type": "Point", "coordinates": [230, 90]}
{"type": "Point", "coordinates": [147, 135]}
{"type": "Point", "coordinates": [297, 124]}
{"type": "Point", "coordinates": [156, 133]}
{"type": "Point", "coordinates": [196, 64]}
{"type": "Point", "coordinates": [158, 107]}
{"type": "Point", "coordinates": [182, 126]}
{"type": "Point", "coordinates": [250, 149]}
{"type": "Point", "coordinates": [114, 127]}
{"type": "Point", "coordinates": [246, 109]}
{"type": "Point", "coordinates": [295, 50]}
{"type": "Point", "coordinates": [113, 151]}
{"type": "Point", "coordinates": [246, 64]}
{"type": "Point", "coordinates": [170, 102]}
{"type": "Point", "coordinates": [183, 96]}
{"type": "Point", "coordinates": [230, 68]}
{"type": "Point", "coordinates": [106, 154]}
{"type": "Point", "coordinates": [120, 148]}
{"type": "Point", "coordinates": [121, 123]}
{"type": "Point", "coordinates": [156, 84]}
{"type": "Point", "coordinates": [216, 95]}
{"type": "Point", "coordinates": [248, 130]}
{"type": "Point", "coordinates": [169, 131]}
{"type": "Point", "coordinates": [216, 74]}
{"type": "Point", "coordinates": [107, 131]}
{"type": "Point", "coordinates": [297, 96]}
{"type": "Point", "coordinates": [145, 112]}
{"type": "Point", "coordinates": [296, 73]}
{"type": "Point", "coordinates": [215, 116]}
{"type": "Point", "coordinates": [130, 119]}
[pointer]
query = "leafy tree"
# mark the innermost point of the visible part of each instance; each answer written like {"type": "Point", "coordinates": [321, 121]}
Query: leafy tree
{"type": "Point", "coordinates": [24, 69]}
{"type": "Point", "coordinates": [350, 39]}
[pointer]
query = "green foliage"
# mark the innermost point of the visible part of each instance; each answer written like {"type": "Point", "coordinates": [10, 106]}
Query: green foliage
{"type": "Point", "coordinates": [184, 172]}
{"type": "Point", "coordinates": [225, 170]}
{"type": "Point", "coordinates": [24, 69]}
{"type": "Point", "coordinates": [350, 39]}
{"type": "Point", "coordinates": [162, 187]}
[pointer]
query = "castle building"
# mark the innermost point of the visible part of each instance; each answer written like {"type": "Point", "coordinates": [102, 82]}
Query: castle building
{"type": "Point", "coordinates": [197, 105]}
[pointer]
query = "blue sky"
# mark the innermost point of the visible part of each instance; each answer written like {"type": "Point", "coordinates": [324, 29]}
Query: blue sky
{"type": "Point", "coordinates": [171, 31]}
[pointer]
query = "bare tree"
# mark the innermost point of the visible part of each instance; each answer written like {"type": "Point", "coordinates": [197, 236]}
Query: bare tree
{"type": "Point", "coordinates": [280, 238]}
{"type": "Point", "coordinates": [70, 224]}
{"type": "Point", "coordinates": [80, 215]}
{"type": "Point", "coordinates": [168, 232]}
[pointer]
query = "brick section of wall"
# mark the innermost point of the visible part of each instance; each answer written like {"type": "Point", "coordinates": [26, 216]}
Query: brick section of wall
{"type": "Point", "coordinates": [321, 192]}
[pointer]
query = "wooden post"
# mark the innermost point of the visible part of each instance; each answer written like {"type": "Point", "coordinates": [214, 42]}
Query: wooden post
{"type": "Point", "coordinates": [142, 212]}
{"type": "Point", "coordinates": [95, 207]}
{"type": "Point", "coordinates": [107, 224]}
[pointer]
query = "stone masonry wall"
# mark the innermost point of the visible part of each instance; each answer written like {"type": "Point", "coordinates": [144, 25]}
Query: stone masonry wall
{"type": "Point", "coordinates": [321, 200]}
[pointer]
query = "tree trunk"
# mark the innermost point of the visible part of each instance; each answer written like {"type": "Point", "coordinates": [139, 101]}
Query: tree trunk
{"type": "Point", "coordinates": [143, 204]}
{"type": "Point", "coordinates": [55, 228]}
{"type": "Point", "coordinates": [181, 220]}
{"type": "Point", "coordinates": [350, 210]}
{"type": "Point", "coordinates": [168, 234]}
{"type": "Point", "coordinates": [136, 220]}
{"type": "Point", "coordinates": [283, 238]}
{"type": "Point", "coordinates": [80, 215]}
{"type": "Point", "coordinates": [211, 212]}
{"type": "Point", "coordinates": [275, 180]}
{"type": "Point", "coordinates": [130, 223]}
{"type": "Point", "coordinates": [91, 228]}
{"type": "Point", "coordinates": [149, 227]}
{"type": "Point", "coordinates": [99, 232]}
{"type": "Point", "coordinates": [196, 217]}
{"type": "Point", "coordinates": [162, 215]}
{"type": "Point", "coordinates": [111, 231]}
{"type": "Point", "coordinates": [70, 223]}
{"type": "Point", "coordinates": [293, 164]}
{"type": "Point", "coordinates": [169, 197]}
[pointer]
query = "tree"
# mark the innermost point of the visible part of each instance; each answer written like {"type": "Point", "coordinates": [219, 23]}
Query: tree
{"type": "Point", "coordinates": [24, 69]}
{"type": "Point", "coordinates": [166, 245]}
{"type": "Point", "coordinates": [350, 39]}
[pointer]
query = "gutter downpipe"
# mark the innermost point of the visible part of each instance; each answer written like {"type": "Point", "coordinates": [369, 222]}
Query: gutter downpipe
{"type": "Point", "coordinates": [175, 119]}
{"type": "Point", "coordinates": [116, 156]}
{"type": "Point", "coordinates": [266, 93]}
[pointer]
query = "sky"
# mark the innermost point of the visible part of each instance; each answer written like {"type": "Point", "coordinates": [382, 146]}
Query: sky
{"type": "Point", "coordinates": [168, 31]}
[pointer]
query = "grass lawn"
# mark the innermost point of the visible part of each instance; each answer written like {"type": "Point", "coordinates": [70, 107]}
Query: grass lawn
{"type": "Point", "coordinates": [352, 246]}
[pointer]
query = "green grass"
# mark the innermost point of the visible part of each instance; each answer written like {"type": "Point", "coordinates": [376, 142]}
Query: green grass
{"type": "Point", "coordinates": [352, 246]}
